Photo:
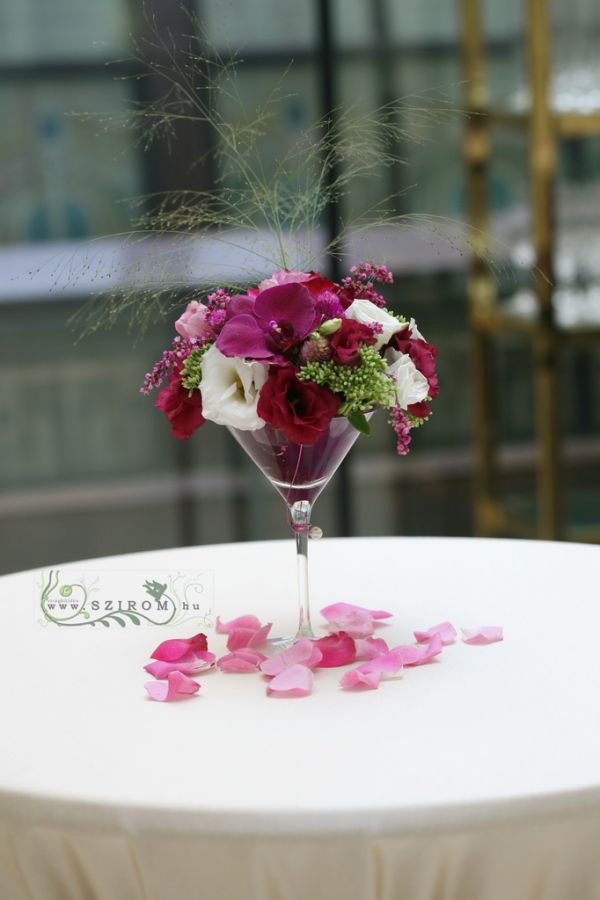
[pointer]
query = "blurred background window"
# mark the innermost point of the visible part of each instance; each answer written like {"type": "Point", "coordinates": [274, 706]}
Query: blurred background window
{"type": "Point", "coordinates": [87, 465]}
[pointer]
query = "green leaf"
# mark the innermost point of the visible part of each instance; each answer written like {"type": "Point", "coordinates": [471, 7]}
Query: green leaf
{"type": "Point", "coordinates": [133, 618]}
{"type": "Point", "coordinates": [359, 421]}
{"type": "Point", "coordinates": [105, 623]}
{"type": "Point", "coordinates": [120, 621]}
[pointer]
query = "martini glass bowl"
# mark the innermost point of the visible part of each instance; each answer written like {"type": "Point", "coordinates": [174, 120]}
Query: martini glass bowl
{"type": "Point", "coordinates": [299, 472]}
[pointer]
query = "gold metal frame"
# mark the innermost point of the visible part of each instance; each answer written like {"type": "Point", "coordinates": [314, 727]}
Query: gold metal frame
{"type": "Point", "coordinates": [545, 129]}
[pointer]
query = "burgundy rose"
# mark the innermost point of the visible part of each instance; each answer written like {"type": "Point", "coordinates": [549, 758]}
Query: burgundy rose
{"type": "Point", "coordinates": [182, 411]}
{"type": "Point", "coordinates": [346, 341]}
{"type": "Point", "coordinates": [422, 354]}
{"type": "Point", "coordinates": [419, 410]}
{"type": "Point", "coordinates": [301, 409]}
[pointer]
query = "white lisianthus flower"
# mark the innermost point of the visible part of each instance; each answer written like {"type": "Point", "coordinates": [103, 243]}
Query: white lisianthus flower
{"type": "Point", "coordinates": [414, 331]}
{"type": "Point", "coordinates": [411, 385]}
{"type": "Point", "coordinates": [367, 313]}
{"type": "Point", "coordinates": [230, 387]}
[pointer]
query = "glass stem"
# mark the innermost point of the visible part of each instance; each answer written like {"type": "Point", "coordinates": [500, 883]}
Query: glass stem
{"type": "Point", "coordinates": [300, 521]}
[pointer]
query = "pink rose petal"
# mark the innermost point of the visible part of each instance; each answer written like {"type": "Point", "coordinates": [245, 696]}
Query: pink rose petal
{"type": "Point", "coordinates": [250, 622]}
{"type": "Point", "coordinates": [420, 654]}
{"type": "Point", "coordinates": [178, 685]}
{"type": "Point", "coordinates": [357, 621]}
{"type": "Point", "coordinates": [242, 660]}
{"type": "Point", "coordinates": [337, 650]}
{"type": "Point", "coordinates": [302, 652]}
{"type": "Point", "coordinates": [259, 637]}
{"type": "Point", "coordinates": [369, 648]}
{"type": "Point", "coordinates": [188, 664]}
{"type": "Point", "coordinates": [296, 681]}
{"type": "Point", "coordinates": [446, 631]}
{"type": "Point", "coordinates": [336, 609]}
{"type": "Point", "coordinates": [357, 678]}
{"type": "Point", "coordinates": [485, 634]}
{"type": "Point", "coordinates": [172, 650]}
{"type": "Point", "coordinates": [370, 673]}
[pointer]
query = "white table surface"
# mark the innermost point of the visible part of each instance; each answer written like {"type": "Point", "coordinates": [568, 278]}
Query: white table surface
{"type": "Point", "coordinates": [491, 736]}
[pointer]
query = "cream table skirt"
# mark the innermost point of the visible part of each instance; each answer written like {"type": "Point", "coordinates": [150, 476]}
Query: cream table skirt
{"type": "Point", "coordinates": [473, 778]}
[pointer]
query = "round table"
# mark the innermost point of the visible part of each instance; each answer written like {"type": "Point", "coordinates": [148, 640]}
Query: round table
{"type": "Point", "coordinates": [476, 776]}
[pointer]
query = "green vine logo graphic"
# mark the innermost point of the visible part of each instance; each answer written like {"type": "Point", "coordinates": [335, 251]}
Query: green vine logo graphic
{"type": "Point", "coordinates": [151, 601]}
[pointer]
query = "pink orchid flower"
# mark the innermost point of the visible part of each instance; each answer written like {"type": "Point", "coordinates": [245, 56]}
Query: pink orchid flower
{"type": "Point", "coordinates": [446, 631]}
{"type": "Point", "coordinates": [177, 686]}
{"type": "Point", "coordinates": [297, 681]}
{"type": "Point", "coordinates": [280, 317]}
{"type": "Point", "coordinates": [302, 652]}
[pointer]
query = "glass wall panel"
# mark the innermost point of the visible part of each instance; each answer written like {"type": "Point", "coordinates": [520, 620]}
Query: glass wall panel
{"type": "Point", "coordinates": [62, 176]}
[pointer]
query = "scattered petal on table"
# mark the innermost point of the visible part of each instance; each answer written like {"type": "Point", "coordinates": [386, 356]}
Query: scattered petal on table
{"type": "Point", "coordinates": [302, 652]}
{"type": "Point", "coordinates": [250, 622]}
{"type": "Point", "coordinates": [296, 681]}
{"type": "Point", "coordinates": [370, 673]}
{"type": "Point", "coordinates": [176, 648]}
{"type": "Point", "coordinates": [486, 634]}
{"type": "Point", "coordinates": [446, 631]}
{"type": "Point", "coordinates": [189, 664]}
{"type": "Point", "coordinates": [337, 649]}
{"type": "Point", "coordinates": [242, 660]}
{"type": "Point", "coordinates": [335, 609]}
{"type": "Point", "coordinates": [177, 685]}
{"type": "Point", "coordinates": [247, 637]}
{"type": "Point", "coordinates": [358, 678]}
{"type": "Point", "coordinates": [369, 648]}
{"type": "Point", "coordinates": [259, 637]}
{"type": "Point", "coordinates": [357, 621]}
{"type": "Point", "coordinates": [419, 654]}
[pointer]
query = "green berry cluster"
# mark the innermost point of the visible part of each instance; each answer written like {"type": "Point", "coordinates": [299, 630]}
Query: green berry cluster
{"type": "Point", "coordinates": [362, 387]}
{"type": "Point", "coordinates": [191, 371]}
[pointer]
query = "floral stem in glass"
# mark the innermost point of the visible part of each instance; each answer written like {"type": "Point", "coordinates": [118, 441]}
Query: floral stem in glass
{"type": "Point", "coordinates": [300, 512]}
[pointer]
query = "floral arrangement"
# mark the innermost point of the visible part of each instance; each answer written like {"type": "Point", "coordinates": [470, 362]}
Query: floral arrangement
{"type": "Point", "coordinates": [293, 353]}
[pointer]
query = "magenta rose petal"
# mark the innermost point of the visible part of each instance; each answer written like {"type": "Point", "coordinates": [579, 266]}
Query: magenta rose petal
{"type": "Point", "coordinates": [446, 631]}
{"type": "Point", "coordinates": [485, 634]}
{"type": "Point", "coordinates": [241, 622]}
{"type": "Point", "coordinates": [297, 681]}
{"type": "Point", "coordinates": [188, 664]}
{"type": "Point", "coordinates": [337, 650]}
{"type": "Point", "coordinates": [176, 648]}
{"type": "Point", "coordinates": [177, 685]}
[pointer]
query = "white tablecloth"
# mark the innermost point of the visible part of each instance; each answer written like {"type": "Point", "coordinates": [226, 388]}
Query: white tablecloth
{"type": "Point", "coordinates": [473, 778]}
